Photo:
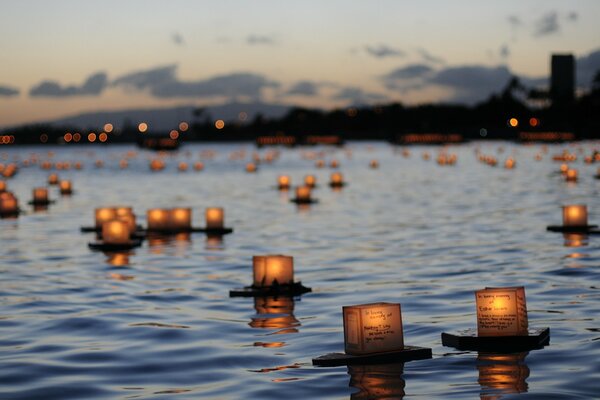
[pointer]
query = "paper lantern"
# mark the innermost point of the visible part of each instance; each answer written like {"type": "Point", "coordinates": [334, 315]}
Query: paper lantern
{"type": "Point", "coordinates": [214, 217]}
{"type": "Point", "coordinates": [53, 179]}
{"type": "Point", "coordinates": [65, 187]}
{"type": "Point", "coordinates": [374, 164]}
{"type": "Point", "coordinates": [310, 181]}
{"type": "Point", "coordinates": [2, 186]}
{"type": "Point", "coordinates": [129, 219]}
{"type": "Point", "coordinates": [180, 219]}
{"type": "Point", "coordinates": [104, 214]}
{"type": "Point", "coordinates": [283, 182]}
{"type": "Point", "coordinates": [9, 204]}
{"type": "Point", "coordinates": [336, 179]}
{"type": "Point", "coordinates": [115, 232]}
{"type": "Point", "coordinates": [122, 211]}
{"type": "Point", "coordinates": [40, 195]}
{"type": "Point", "coordinates": [250, 167]}
{"type": "Point", "coordinates": [157, 219]}
{"type": "Point", "coordinates": [501, 311]}
{"type": "Point", "coordinates": [272, 270]}
{"type": "Point", "coordinates": [303, 194]}
{"type": "Point", "coordinates": [571, 175]}
{"type": "Point", "coordinates": [373, 328]}
{"type": "Point", "coordinates": [575, 215]}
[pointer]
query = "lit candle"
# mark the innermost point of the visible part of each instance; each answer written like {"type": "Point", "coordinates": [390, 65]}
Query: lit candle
{"type": "Point", "coordinates": [115, 232]}
{"type": "Point", "coordinates": [104, 214]}
{"type": "Point", "coordinates": [40, 195]}
{"type": "Point", "coordinates": [573, 239]}
{"type": "Point", "coordinates": [303, 194]}
{"type": "Point", "coordinates": [53, 179]}
{"type": "Point", "coordinates": [373, 328]}
{"type": "Point", "coordinates": [65, 187]}
{"type": "Point", "coordinates": [214, 217]}
{"type": "Point", "coordinates": [575, 215]}
{"type": "Point", "coordinates": [501, 311]}
{"type": "Point", "coordinates": [180, 219]}
{"type": "Point", "coordinates": [157, 219]}
{"type": "Point", "coordinates": [273, 269]}
{"type": "Point", "coordinates": [283, 182]}
{"type": "Point", "coordinates": [310, 181]}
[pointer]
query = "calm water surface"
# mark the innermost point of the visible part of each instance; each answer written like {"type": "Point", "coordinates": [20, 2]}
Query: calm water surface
{"type": "Point", "coordinates": [159, 323]}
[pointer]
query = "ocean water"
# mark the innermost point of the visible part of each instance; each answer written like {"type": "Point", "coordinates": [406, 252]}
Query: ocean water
{"type": "Point", "coordinates": [158, 322]}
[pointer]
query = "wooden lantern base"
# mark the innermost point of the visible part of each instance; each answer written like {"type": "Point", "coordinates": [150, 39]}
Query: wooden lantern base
{"type": "Point", "coordinates": [114, 247]}
{"type": "Point", "coordinates": [337, 185]}
{"type": "Point", "coordinates": [468, 340]}
{"type": "Point", "coordinates": [302, 201]}
{"type": "Point", "coordinates": [13, 214]}
{"type": "Point", "coordinates": [409, 353]}
{"type": "Point", "coordinates": [295, 289]}
{"type": "Point", "coordinates": [41, 203]}
{"type": "Point", "coordinates": [573, 229]}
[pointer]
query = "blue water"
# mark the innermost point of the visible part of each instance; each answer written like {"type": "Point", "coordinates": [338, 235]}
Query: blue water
{"type": "Point", "coordinates": [159, 323]}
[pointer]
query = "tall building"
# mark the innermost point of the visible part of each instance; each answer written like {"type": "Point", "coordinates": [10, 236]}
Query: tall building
{"type": "Point", "coordinates": [562, 80]}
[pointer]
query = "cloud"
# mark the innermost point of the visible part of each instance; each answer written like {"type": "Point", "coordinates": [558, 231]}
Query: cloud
{"type": "Point", "coordinates": [472, 83]}
{"type": "Point", "coordinates": [260, 40]}
{"type": "Point", "coordinates": [93, 86]}
{"type": "Point", "coordinates": [177, 39]}
{"type": "Point", "coordinates": [429, 58]}
{"type": "Point", "coordinates": [514, 21]}
{"type": "Point", "coordinates": [304, 88]}
{"type": "Point", "coordinates": [382, 51]}
{"type": "Point", "coordinates": [358, 96]}
{"type": "Point", "coordinates": [162, 82]}
{"type": "Point", "coordinates": [6, 91]}
{"type": "Point", "coordinates": [410, 72]}
{"type": "Point", "coordinates": [547, 24]}
{"type": "Point", "coordinates": [586, 68]}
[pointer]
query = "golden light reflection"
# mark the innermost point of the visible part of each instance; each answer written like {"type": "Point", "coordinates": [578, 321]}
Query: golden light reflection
{"type": "Point", "coordinates": [381, 381]}
{"type": "Point", "coordinates": [275, 313]}
{"type": "Point", "coordinates": [117, 259]}
{"type": "Point", "coordinates": [502, 374]}
{"type": "Point", "coordinates": [575, 239]}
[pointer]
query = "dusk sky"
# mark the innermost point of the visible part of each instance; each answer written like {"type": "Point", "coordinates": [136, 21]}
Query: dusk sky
{"type": "Point", "coordinates": [65, 57]}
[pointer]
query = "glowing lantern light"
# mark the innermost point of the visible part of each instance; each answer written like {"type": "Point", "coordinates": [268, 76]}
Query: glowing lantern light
{"type": "Point", "coordinates": [250, 167]}
{"type": "Point", "coordinates": [310, 181]}
{"type": "Point", "coordinates": [303, 194]}
{"type": "Point", "coordinates": [40, 195]}
{"type": "Point", "coordinates": [509, 163]}
{"type": "Point", "coordinates": [103, 215]}
{"type": "Point", "coordinates": [115, 232]}
{"type": "Point", "coordinates": [283, 182]}
{"type": "Point", "coordinates": [157, 219]}
{"type": "Point", "coordinates": [501, 312]}
{"type": "Point", "coordinates": [374, 164]}
{"type": "Point", "coordinates": [180, 219]}
{"type": "Point", "coordinates": [65, 187]}
{"type": "Point", "coordinates": [9, 204]}
{"type": "Point", "coordinates": [2, 186]}
{"type": "Point", "coordinates": [129, 219]}
{"type": "Point", "coordinates": [564, 168]}
{"type": "Point", "coordinates": [319, 163]}
{"type": "Point", "coordinates": [52, 179]}
{"type": "Point", "coordinates": [183, 166]}
{"type": "Point", "coordinates": [334, 163]}
{"type": "Point", "coordinates": [199, 166]}
{"type": "Point", "coordinates": [214, 217]}
{"type": "Point", "coordinates": [272, 270]}
{"type": "Point", "coordinates": [571, 175]}
{"type": "Point", "coordinates": [336, 179]}
{"type": "Point", "coordinates": [575, 215]}
{"type": "Point", "coordinates": [373, 328]}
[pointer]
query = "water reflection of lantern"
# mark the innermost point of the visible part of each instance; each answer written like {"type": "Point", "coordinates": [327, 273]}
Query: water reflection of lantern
{"type": "Point", "coordinates": [104, 214]}
{"type": "Point", "coordinates": [52, 179]}
{"type": "Point", "coordinates": [501, 311]}
{"type": "Point", "coordinates": [180, 219]}
{"type": "Point", "coordinates": [372, 328]}
{"type": "Point", "coordinates": [40, 195]}
{"type": "Point", "coordinates": [157, 219]}
{"type": "Point", "coordinates": [270, 270]}
{"type": "Point", "coordinates": [115, 232]}
{"type": "Point", "coordinates": [310, 181]}
{"type": "Point", "coordinates": [502, 373]}
{"type": "Point", "coordinates": [214, 242]}
{"type": "Point", "coordinates": [214, 217]}
{"type": "Point", "coordinates": [573, 239]}
{"type": "Point", "coordinates": [571, 175]}
{"type": "Point", "coordinates": [336, 180]}
{"type": "Point", "coordinates": [275, 313]}
{"type": "Point", "coordinates": [380, 381]}
{"type": "Point", "coordinates": [283, 182]}
{"type": "Point", "coordinates": [117, 259]}
{"type": "Point", "coordinates": [65, 187]}
{"type": "Point", "coordinates": [122, 211]}
{"type": "Point", "coordinates": [575, 215]}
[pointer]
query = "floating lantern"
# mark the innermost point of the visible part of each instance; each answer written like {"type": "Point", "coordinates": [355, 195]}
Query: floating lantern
{"type": "Point", "coordinates": [283, 182]}
{"type": "Point", "coordinates": [320, 163]}
{"type": "Point", "coordinates": [502, 324]}
{"type": "Point", "coordinates": [40, 196]}
{"type": "Point", "coordinates": [2, 186]}
{"type": "Point", "coordinates": [374, 164]}
{"type": "Point", "coordinates": [303, 195]}
{"type": "Point", "coordinates": [372, 328]}
{"type": "Point", "coordinates": [104, 214]}
{"type": "Point", "coordinates": [180, 219]}
{"type": "Point", "coordinates": [575, 215]}
{"type": "Point", "coordinates": [214, 217]}
{"type": "Point", "coordinates": [509, 163]}
{"type": "Point", "coordinates": [129, 219]}
{"type": "Point", "coordinates": [273, 274]}
{"type": "Point", "coordinates": [564, 168]}
{"type": "Point", "coordinates": [199, 166]}
{"type": "Point", "coordinates": [53, 179]}
{"type": "Point", "coordinates": [336, 180]}
{"type": "Point", "coordinates": [310, 181]}
{"type": "Point", "coordinates": [9, 204]}
{"type": "Point", "coordinates": [373, 334]}
{"type": "Point", "coordinates": [65, 187]}
{"type": "Point", "coordinates": [115, 232]}
{"type": "Point", "coordinates": [571, 175]}
{"type": "Point", "coordinates": [501, 312]}
{"type": "Point", "coordinates": [334, 163]}
{"type": "Point", "coordinates": [123, 211]}
{"type": "Point", "coordinates": [157, 219]}
{"type": "Point", "coordinates": [183, 166]}
{"type": "Point", "coordinates": [251, 167]}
